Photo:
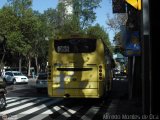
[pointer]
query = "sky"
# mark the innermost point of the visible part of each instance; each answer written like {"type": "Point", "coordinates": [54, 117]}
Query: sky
{"type": "Point", "coordinates": [101, 13]}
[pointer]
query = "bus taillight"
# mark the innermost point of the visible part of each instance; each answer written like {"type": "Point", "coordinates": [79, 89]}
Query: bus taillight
{"type": "Point", "coordinates": [100, 72]}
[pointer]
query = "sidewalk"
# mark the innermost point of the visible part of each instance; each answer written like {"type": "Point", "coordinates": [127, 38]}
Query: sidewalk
{"type": "Point", "coordinates": [121, 104]}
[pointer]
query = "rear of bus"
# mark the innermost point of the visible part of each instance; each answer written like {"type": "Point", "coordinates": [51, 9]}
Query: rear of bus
{"type": "Point", "coordinates": [76, 68]}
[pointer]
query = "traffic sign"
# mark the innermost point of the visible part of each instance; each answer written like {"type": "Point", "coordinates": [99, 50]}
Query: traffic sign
{"type": "Point", "coordinates": [135, 3]}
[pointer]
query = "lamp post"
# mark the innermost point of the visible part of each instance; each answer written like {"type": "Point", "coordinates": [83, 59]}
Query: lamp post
{"type": "Point", "coordinates": [146, 59]}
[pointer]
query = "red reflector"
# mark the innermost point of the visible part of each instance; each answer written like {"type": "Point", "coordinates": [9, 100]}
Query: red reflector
{"type": "Point", "coordinates": [100, 74]}
{"type": "Point", "coordinates": [100, 67]}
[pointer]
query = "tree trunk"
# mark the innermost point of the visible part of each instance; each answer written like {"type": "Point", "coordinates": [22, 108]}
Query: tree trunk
{"type": "Point", "coordinates": [1, 63]}
{"type": "Point", "coordinates": [4, 53]}
{"type": "Point", "coordinates": [20, 64]}
{"type": "Point", "coordinates": [37, 67]}
{"type": "Point", "coordinates": [29, 66]}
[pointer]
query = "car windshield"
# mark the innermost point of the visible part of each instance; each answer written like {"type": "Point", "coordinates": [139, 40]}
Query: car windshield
{"type": "Point", "coordinates": [17, 74]}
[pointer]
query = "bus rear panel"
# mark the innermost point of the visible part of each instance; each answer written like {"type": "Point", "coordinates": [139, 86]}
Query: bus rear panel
{"type": "Point", "coordinates": [76, 68]}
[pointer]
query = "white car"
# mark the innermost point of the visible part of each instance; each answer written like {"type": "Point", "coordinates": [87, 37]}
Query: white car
{"type": "Point", "coordinates": [15, 77]}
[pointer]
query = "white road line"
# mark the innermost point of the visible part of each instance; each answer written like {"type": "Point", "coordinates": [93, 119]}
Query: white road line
{"type": "Point", "coordinates": [45, 113]}
{"type": "Point", "coordinates": [68, 113]}
{"type": "Point", "coordinates": [42, 115]}
{"type": "Point", "coordinates": [11, 100]}
{"type": "Point", "coordinates": [23, 106]}
{"type": "Point", "coordinates": [34, 109]}
{"type": "Point", "coordinates": [19, 102]}
{"type": "Point", "coordinates": [90, 113]}
{"type": "Point", "coordinates": [7, 98]}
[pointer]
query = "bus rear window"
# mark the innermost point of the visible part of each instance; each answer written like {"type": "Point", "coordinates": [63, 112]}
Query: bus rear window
{"type": "Point", "coordinates": [75, 45]}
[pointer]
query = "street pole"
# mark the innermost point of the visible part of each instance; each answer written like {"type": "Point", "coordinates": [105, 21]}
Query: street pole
{"type": "Point", "coordinates": [146, 59]}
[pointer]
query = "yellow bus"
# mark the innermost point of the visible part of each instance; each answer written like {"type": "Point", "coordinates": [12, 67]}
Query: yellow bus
{"type": "Point", "coordinates": [79, 67]}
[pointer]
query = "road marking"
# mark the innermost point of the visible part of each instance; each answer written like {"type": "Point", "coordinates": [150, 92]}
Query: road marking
{"type": "Point", "coordinates": [90, 113]}
{"type": "Point", "coordinates": [8, 98]}
{"type": "Point", "coordinates": [23, 106]}
{"type": "Point", "coordinates": [42, 115]}
{"type": "Point", "coordinates": [19, 102]}
{"type": "Point", "coordinates": [34, 109]}
{"type": "Point", "coordinates": [68, 113]}
{"type": "Point", "coordinates": [11, 100]}
{"type": "Point", "coordinates": [31, 111]}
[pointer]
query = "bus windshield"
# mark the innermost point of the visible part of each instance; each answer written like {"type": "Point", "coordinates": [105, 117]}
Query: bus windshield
{"type": "Point", "coordinates": [75, 45]}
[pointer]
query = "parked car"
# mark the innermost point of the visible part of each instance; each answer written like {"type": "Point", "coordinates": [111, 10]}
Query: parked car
{"type": "Point", "coordinates": [3, 92]}
{"type": "Point", "coordinates": [15, 77]}
{"type": "Point", "coordinates": [41, 82]}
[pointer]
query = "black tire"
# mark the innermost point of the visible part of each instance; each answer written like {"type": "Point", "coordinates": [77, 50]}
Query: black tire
{"type": "Point", "coordinates": [2, 102]}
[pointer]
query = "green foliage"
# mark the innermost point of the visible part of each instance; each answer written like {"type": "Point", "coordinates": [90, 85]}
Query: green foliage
{"type": "Point", "coordinates": [50, 22]}
{"type": "Point", "coordinates": [98, 32]}
{"type": "Point", "coordinates": [22, 28]}
{"type": "Point", "coordinates": [83, 16]}
{"type": "Point", "coordinates": [8, 21]}
{"type": "Point", "coordinates": [25, 30]}
{"type": "Point", "coordinates": [84, 11]}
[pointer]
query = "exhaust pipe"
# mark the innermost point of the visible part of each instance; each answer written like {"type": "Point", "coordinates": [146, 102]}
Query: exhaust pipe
{"type": "Point", "coordinates": [66, 95]}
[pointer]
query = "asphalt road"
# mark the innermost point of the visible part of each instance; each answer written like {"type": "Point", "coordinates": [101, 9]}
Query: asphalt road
{"type": "Point", "coordinates": [24, 90]}
{"type": "Point", "coordinates": [24, 103]}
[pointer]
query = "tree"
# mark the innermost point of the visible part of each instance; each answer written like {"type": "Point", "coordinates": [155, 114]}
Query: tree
{"type": "Point", "coordinates": [84, 11]}
{"type": "Point", "coordinates": [115, 24]}
{"type": "Point", "coordinates": [51, 22]}
{"type": "Point", "coordinates": [40, 45]}
{"type": "Point", "coordinates": [8, 23]}
{"type": "Point", "coordinates": [83, 15]}
{"type": "Point", "coordinates": [98, 32]}
{"type": "Point", "coordinates": [22, 10]}
{"type": "Point", "coordinates": [22, 29]}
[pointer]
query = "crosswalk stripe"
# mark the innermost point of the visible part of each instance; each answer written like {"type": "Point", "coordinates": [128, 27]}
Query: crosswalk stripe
{"type": "Point", "coordinates": [55, 109]}
{"type": "Point", "coordinates": [34, 109]}
{"type": "Point", "coordinates": [19, 102]}
{"type": "Point", "coordinates": [68, 113]}
{"type": "Point", "coordinates": [23, 106]}
{"type": "Point", "coordinates": [90, 113]}
{"type": "Point", "coordinates": [28, 109]}
{"type": "Point", "coordinates": [45, 113]}
{"type": "Point", "coordinates": [11, 100]}
{"type": "Point", "coordinates": [8, 98]}
{"type": "Point", "coordinates": [42, 115]}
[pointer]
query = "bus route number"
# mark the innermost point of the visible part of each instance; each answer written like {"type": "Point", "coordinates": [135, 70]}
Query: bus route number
{"type": "Point", "coordinates": [63, 48]}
